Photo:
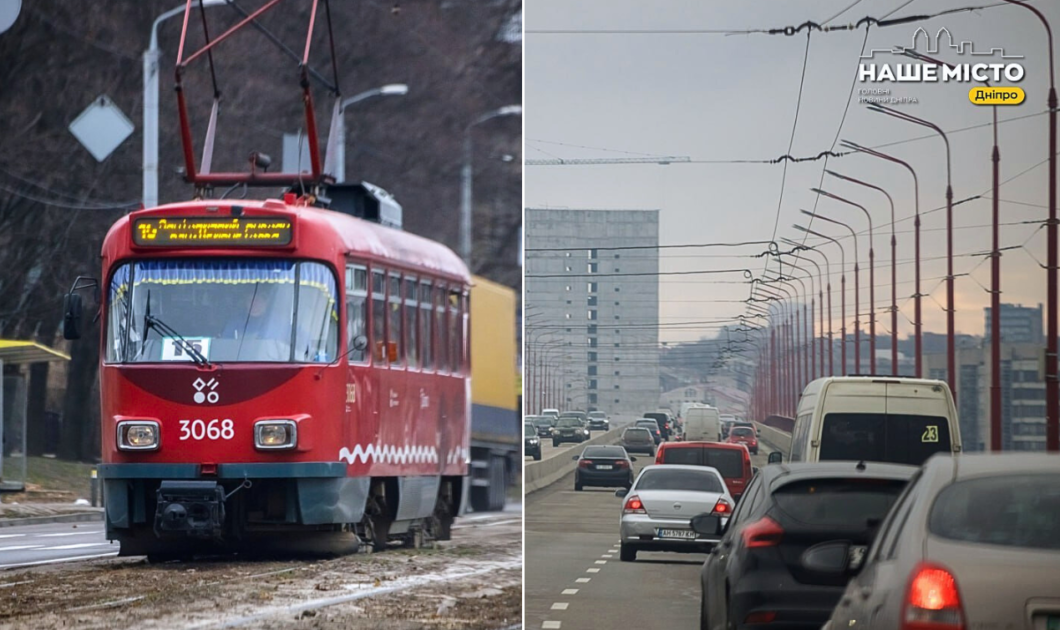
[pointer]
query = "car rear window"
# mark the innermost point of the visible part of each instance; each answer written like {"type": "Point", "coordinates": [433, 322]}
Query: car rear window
{"type": "Point", "coordinates": [636, 434]}
{"type": "Point", "coordinates": [604, 451]}
{"type": "Point", "coordinates": [879, 437]}
{"type": "Point", "coordinates": [661, 417]}
{"type": "Point", "coordinates": [729, 462]}
{"type": "Point", "coordinates": [838, 502]}
{"type": "Point", "coordinates": [662, 479]}
{"type": "Point", "coordinates": [1010, 510]}
{"type": "Point", "coordinates": [649, 424]}
{"type": "Point", "coordinates": [742, 431]}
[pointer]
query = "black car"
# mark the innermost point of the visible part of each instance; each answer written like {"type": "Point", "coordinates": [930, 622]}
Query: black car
{"type": "Point", "coordinates": [758, 572]}
{"type": "Point", "coordinates": [608, 466]}
{"type": "Point", "coordinates": [652, 426]}
{"type": "Point", "coordinates": [638, 440]}
{"type": "Point", "coordinates": [598, 421]}
{"type": "Point", "coordinates": [531, 442]}
{"type": "Point", "coordinates": [543, 424]}
{"type": "Point", "coordinates": [569, 429]}
{"type": "Point", "coordinates": [663, 419]}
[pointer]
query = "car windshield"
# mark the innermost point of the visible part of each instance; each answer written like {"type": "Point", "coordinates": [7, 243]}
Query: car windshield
{"type": "Point", "coordinates": [878, 437]}
{"type": "Point", "coordinates": [597, 414]}
{"type": "Point", "coordinates": [661, 417]}
{"type": "Point", "coordinates": [680, 479]}
{"type": "Point", "coordinates": [529, 431]}
{"type": "Point", "coordinates": [569, 422]}
{"type": "Point", "coordinates": [572, 414]}
{"type": "Point", "coordinates": [728, 461]}
{"type": "Point", "coordinates": [1014, 510]}
{"type": "Point", "coordinates": [743, 431]}
{"type": "Point", "coordinates": [636, 434]}
{"type": "Point", "coordinates": [838, 502]}
{"type": "Point", "coordinates": [542, 422]}
{"type": "Point", "coordinates": [604, 451]}
{"type": "Point", "coordinates": [229, 310]}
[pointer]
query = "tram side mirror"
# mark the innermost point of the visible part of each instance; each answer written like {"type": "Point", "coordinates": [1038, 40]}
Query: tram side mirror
{"type": "Point", "coordinates": [72, 313]}
{"type": "Point", "coordinates": [775, 457]}
{"type": "Point", "coordinates": [360, 343]}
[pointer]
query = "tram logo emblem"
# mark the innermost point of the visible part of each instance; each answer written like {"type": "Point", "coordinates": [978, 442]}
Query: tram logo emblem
{"type": "Point", "coordinates": [205, 391]}
{"type": "Point", "coordinates": [394, 402]}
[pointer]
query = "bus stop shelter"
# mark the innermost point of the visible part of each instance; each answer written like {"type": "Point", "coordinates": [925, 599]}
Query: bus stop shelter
{"type": "Point", "coordinates": [13, 405]}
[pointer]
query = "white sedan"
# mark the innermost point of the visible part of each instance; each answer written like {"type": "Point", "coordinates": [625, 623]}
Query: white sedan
{"type": "Point", "coordinates": [660, 505]}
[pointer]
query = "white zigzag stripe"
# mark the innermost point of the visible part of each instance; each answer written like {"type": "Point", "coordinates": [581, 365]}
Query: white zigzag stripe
{"type": "Point", "coordinates": [390, 454]}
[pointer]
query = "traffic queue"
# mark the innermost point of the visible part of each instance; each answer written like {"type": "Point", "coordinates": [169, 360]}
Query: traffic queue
{"type": "Point", "coordinates": [868, 514]}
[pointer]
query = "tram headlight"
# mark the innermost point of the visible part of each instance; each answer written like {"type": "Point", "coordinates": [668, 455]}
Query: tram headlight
{"type": "Point", "coordinates": [275, 434]}
{"type": "Point", "coordinates": [138, 435]}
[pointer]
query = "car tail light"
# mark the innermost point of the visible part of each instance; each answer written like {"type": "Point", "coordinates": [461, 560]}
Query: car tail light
{"type": "Point", "coordinates": [760, 617]}
{"type": "Point", "coordinates": [762, 533]}
{"type": "Point", "coordinates": [722, 507]}
{"type": "Point", "coordinates": [585, 463]}
{"type": "Point", "coordinates": [634, 506]}
{"type": "Point", "coordinates": [933, 602]}
{"type": "Point", "coordinates": [622, 463]}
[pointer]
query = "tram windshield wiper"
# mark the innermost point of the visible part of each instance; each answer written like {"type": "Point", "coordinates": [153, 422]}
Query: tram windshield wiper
{"type": "Point", "coordinates": [150, 321]}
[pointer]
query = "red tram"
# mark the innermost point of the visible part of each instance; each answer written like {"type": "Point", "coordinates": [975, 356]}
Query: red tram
{"type": "Point", "coordinates": [272, 368]}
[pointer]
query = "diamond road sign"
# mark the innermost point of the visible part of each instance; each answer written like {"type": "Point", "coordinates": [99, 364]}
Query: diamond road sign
{"type": "Point", "coordinates": [101, 128]}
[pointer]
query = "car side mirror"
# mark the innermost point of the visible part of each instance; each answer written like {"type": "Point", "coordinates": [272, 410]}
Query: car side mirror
{"type": "Point", "coordinates": [832, 558]}
{"type": "Point", "coordinates": [776, 457]}
{"type": "Point", "coordinates": [754, 470]}
{"type": "Point", "coordinates": [360, 343]}
{"type": "Point", "coordinates": [706, 524]}
{"type": "Point", "coordinates": [72, 314]}
{"type": "Point", "coordinates": [575, 458]}
{"type": "Point", "coordinates": [632, 459]}
{"type": "Point", "coordinates": [620, 493]}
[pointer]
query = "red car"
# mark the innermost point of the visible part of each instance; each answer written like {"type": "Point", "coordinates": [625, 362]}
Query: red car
{"type": "Point", "coordinates": [745, 436]}
{"type": "Point", "coordinates": [732, 461]}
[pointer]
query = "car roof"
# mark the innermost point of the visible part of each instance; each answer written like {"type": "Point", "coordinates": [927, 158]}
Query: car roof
{"type": "Point", "coordinates": [799, 471]}
{"type": "Point", "coordinates": [678, 467]}
{"type": "Point", "coordinates": [718, 445]}
{"type": "Point", "coordinates": [981, 464]}
{"type": "Point", "coordinates": [636, 429]}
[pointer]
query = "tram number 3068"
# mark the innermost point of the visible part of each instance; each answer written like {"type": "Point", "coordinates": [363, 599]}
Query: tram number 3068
{"type": "Point", "coordinates": [207, 430]}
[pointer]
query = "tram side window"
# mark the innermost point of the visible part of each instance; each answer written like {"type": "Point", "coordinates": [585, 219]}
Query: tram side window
{"type": "Point", "coordinates": [411, 326]}
{"type": "Point", "coordinates": [465, 336]}
{"type": "Point", "coordinates": [379, 316]}
{"type": "Point", "coordinates": [426, 317]}
{"type": "Point", "coordinates": [394, 339]}
{"type": "Point", "coordinates": [119, 314]}
{"type": "Point", "coordinates": [455, 330]}
{"type": "Point", "coordinates": [441, 335]}
{"type": "Point", "coordinates": [317, 333]}
{"type": "Point", "coordinates": [356, 310]}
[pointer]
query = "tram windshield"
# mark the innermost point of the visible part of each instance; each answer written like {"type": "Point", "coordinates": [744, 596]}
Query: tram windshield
{"type": "Point", "coordinates": [228, 310]}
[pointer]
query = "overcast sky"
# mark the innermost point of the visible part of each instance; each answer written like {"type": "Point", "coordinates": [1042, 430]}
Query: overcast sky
{"type": "Point", "coordinates": [718, 97]}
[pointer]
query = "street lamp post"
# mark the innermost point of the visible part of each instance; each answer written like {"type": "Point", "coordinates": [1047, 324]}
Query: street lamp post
{"type": "Point", "coordinates": [465, 177]}
{"type": "Point", "coordinates": [857, 289]}
{"type": "Point", "coordinates": [894, 275]}
{"type": "Point", "coordinates": [821, 283]}
{"type": "Point", "coordinates": [338, 168]}
{"type": "Point", "coordinates": [951, 353]}
{"type": "Point", "coordinates": [150, 130]}
{"type": "Point", "coordinates": [872, 280]}
{"type": "Point", "coordinates": [918, 348]}
{"type": "Point", "coordinates": [842, 301]}
{"type": "Point", "coordinates": [1052, 385]}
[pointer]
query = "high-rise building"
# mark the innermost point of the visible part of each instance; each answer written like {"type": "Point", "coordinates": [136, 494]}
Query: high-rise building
{"type": "Point", "coordinates": [592, 307]}
{"type": "Point", "coordinates": [1019, 324]}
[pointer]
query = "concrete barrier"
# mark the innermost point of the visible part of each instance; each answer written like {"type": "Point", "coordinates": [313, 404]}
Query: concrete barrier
{"type": "Point", "coordinates": [538, 475]}
{"type": "Point", "coordinates": [776, 439]}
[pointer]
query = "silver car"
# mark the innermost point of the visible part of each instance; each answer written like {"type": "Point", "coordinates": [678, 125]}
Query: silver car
{"type": "Point", "coordinates": [658, 508]}
{"type": "Point", "coordinates": [972, 542]}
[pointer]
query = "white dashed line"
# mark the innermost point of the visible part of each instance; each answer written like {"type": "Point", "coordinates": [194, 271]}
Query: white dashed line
{"type": "Point", "coordinates": [11, 535]}
{"type": "Point", "coordinates": [608, 555]}
{"type": "Point", "coordinates": [583, 580]}
{"type": "Point", "coordinates": [601, 562]}
{"type": "Point", "coordinates": [550, 625]}
{"type": "Point", "coordinates": [20, 547]}
{"type": "Point", "coordinates": [100, 531]}
{"type": "Point", "coordinates": [592, 570]}
{"type": "Point", "coordinates": [560, 606]}
{"type": "Point", "coordinates": [570, 591]}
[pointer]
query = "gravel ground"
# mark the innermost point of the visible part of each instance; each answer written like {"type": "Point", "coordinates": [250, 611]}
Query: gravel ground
{"type": "Point", "coordinates": [473, 581]}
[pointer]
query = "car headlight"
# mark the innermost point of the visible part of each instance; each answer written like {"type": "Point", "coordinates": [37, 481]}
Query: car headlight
{"type": "Point", "coordinates": [275, 434]}
{"type": "Point", "coordinates": [138, 435]}
{"type": "Point", "coordinates": [534, 442]}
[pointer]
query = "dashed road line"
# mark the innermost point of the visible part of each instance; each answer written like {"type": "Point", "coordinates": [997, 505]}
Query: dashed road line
{"type": "Point", "coordinates": [592, 570]}
{"type": "Point", "coordinates": [560, 606]}
{"type": "Point", "coordinates": [601, 562]}
{"type": "Point", "coordinates": [99, 531]}
{"type": "Point", "coordinates": [569, 591]}
{"type": "Point", "coordinates": [550, 625]}
{"type": "Point", "coordinates": [583, 580]}
{"type": "Point", "coordinates": [21, 547]}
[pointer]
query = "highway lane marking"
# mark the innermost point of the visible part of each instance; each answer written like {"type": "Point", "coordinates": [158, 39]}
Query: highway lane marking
{"type": "Point", "coordinates": [98, 531]}
{"type": "Point", "coordinates": [592, 570]}
{"type": "Point", "coordinates": [582, 580]}
{"type": "Point", "coordinates": [55, 560]}
{"type": "Point", "coordinates": [560, 606]}
{"type": "Point", "coordinates": [607, 555]}
{"type": "Point", "coordinates": [79, 546]}
{"type": "Point", "coordinates": [20, 547]}
{"type": "Point", "coordinates": [601, 562]}
{"type": "Point", "coordinates": [11, 535]}
{"type": "Point", "coordinates": [569, 591]}
{"type": "Point", "coordinates": [550, 625]}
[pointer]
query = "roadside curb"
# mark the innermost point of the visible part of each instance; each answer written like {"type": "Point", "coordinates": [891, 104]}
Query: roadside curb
{"type": "Point", "coordinates": [77, 517]}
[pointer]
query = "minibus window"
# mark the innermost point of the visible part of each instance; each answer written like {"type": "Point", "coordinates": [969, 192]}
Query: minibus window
{"type": "Point", "coordinates": [878, 437]}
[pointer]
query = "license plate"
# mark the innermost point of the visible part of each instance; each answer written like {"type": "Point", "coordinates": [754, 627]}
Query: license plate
{"type": "Point", "coordinates": [605, 467]}
{"type": "Point", "coordinates": [685, 534]}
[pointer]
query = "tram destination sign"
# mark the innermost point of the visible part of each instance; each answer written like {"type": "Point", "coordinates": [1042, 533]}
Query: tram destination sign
{"type": "Point", "coordinates": [212, 232]}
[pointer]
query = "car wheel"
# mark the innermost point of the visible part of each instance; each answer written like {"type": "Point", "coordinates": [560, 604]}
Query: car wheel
{"type": "Point", "coordinates": [578, 486]}
{"type": "Point", "coordinates": [627, 553]}
{"type": "Point", "coordinates": [537, 456]}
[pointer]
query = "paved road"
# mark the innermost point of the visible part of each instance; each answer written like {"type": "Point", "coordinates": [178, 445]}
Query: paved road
{"type": "Point", "coordinates": [547, 450]}
{"type": "Point", "coordinates": [574, 578]}
{"type": "Point", "coordinates": [31, 545]}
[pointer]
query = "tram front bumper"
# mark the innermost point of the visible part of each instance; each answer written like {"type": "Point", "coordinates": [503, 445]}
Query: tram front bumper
{"type": "Point", "coordinates": [190, 508]}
